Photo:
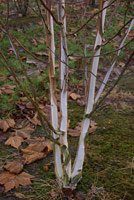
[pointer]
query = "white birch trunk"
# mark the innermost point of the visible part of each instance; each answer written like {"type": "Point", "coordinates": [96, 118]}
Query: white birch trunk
{"type": "Point", "coordinates": [64, 83]}
{"type": "Point", "coordinates": [106, 78]}
{"type": "Point", "coordinates": [79, 160]}
{"type": "Point", "coordinates": [54, 110]}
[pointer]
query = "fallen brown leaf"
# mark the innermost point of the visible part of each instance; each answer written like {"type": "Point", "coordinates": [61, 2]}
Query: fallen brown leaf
{"type": "Point", "coordinates": [29, 105]}
{"type": "Point", "coordinates": [10, 180]}
{"type": "Point", "coordinates": [76, 131]}
{"type": "Point", "coordinates": [41, 106]}
{"type": "Point", "coordinates": [46, 167]}
{"type": "Point", "coordinates": [20, 195]}
{"type": "Point", "coordinates": [11, 122]}
{"type": "Point", "coordinates": [121, 64]}
{"type": "Point", "coordinates": [33, 156]}
{"type": "Point", "coordinates": [14, 167]}
{"type": "Point", "coordinates": [7, 89]}
{"type": "Point", "coordinates": [14, 141]}
{"type": "Point", "coordinates": [5, 124]}
{"type": "Point", "coordinates": [34, 41]}
{"type": "Point", "coordinates": [37, 150]}
{"type": "Point", "coordinates": [131, 33]}
{"type": "Point", "coordinates": [39, 145]}
{"type": "Point", "coordinates": [24, 178]}
{"type": "Point", "coordinates": [41, 53]}
{"type": "Point", "coordinates": [24, 132]}
{"type": "Point", "coordinates": [74, 96]}
{"type": "Point", "coordinates": [34, 120]}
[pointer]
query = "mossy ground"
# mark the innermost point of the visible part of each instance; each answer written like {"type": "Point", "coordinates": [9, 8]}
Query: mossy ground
{"type": "Point", "coordinates": [108, 163]}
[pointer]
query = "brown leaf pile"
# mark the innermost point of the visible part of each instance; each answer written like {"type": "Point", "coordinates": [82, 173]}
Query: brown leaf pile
{"type": "Point", "coordinates": [21, 128]}
{"type": "Point", "coordinates": [13, 176]}
{"type": "Point", "coordinates": [36, 150]}
{"type": "Point", "coordinates": [18, 136]}
{"type": "Point", "coordinates": [10, 180]}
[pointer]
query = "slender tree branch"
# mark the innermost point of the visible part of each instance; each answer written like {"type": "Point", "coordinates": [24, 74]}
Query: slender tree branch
{"type": "Point", "coordinates": [109, 40]}
{"type": "Point", "coordinates": [41, 115]}
{"type": "Point", "coordinates": [95, 14]}
{"type": "Point", "coordinates": [103, 54]}
{"type": "Point", "coordinates": [35, 103]}
{"type": "Point", "coordinates": [97, 105]}
{"type": "Point", "coordinates": [46, 7]}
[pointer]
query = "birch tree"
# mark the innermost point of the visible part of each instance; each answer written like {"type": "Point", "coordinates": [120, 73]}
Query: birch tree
{"type": "Point", "coordinates": [74, 174]}
{"type": "Point", "coordinates": [68, 171]}
{"type": "Point", "coordinates": [70, 175]}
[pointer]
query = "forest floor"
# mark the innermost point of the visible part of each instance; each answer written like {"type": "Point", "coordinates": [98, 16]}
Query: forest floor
{"type": "Point", "coordinates": [109, 163]}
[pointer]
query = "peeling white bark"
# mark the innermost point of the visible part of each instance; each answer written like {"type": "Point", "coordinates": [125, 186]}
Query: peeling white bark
{"type": "Point", "coordinates": [54, 110]}
{"type": "Point", "coordinates": [64, 82]}
{"type": "Point", "coordinates": [79, 160]}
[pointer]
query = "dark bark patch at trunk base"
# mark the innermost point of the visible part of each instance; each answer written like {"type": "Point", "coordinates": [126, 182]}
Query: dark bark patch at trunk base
{"type": "Point", "coordinates": [69, 194]}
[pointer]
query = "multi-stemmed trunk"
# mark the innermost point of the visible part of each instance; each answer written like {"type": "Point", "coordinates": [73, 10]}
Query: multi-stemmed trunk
{"type": "Point", "coordinates": [68, 175]}
{"type": "Point", "coordinates": [79, 160]}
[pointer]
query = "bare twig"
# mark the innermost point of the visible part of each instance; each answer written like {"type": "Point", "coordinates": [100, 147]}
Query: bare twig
{"type": "Point", "coordinates": [97, 105]}
{"type": "Point", "coordinates": [103, 54]}
{"type": "Point", "coordinates": [46, 7]}
{"type": "Point", "coordinates": [95, 14]}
